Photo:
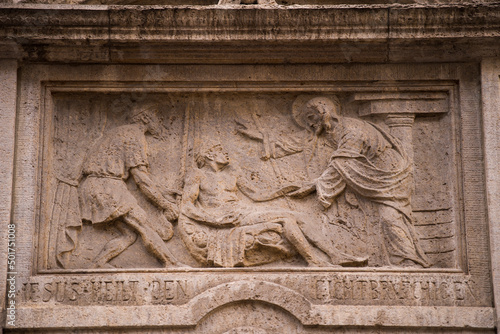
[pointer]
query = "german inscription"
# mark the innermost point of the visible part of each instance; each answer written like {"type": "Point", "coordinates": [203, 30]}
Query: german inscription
{"type": "Point", "coordinates": [323, 289]}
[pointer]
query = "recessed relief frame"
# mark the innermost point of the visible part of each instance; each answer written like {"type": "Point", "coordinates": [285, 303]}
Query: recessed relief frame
{"type": "Point", "coordinates": [344, 192]}
{"type": "Point", "coordinates": [177, 178]}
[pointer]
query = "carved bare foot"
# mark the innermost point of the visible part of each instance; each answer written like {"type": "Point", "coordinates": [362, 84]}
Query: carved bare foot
{"type": "Point", "coordinates": [407, 263]}
{"type": "Point", "coordinates": [321, 263]}
{"type": "Point", "coordinates": [105, 265]}
{"type": "Point", "coordinates": [354, 261]}
{"type": "Point", "coordinates": [176, 264]}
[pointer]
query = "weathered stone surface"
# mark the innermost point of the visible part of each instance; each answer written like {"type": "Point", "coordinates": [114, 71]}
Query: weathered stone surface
{"type": "Point", "coordinates": [8, 89]}
{"type": "Point", "coordinates": [491, 91]}
{"type": "Point", "coordinates": [250, 168]}
{"type": "Point", "coordinates": [214, 34]}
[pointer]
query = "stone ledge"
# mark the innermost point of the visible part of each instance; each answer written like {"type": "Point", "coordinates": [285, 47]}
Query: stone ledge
{"type": "Point", "coordinates": [191, 23]}
{"type": "Point", "coordinates": [193, 312]}
{"type": "Point", "coordinates": [212, 34]}
{"type": "Point", "coordinates": [321, 315]}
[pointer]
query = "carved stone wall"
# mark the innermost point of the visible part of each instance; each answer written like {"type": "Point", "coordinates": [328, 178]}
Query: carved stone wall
{"type": "Point", "coordinates": [159, 185]}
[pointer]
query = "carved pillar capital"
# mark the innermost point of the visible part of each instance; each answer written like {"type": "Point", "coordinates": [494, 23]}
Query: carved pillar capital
{"type": "Point", "coordinates": [400, 120]}
{"type": "Point", "coordinates": [400, 109]}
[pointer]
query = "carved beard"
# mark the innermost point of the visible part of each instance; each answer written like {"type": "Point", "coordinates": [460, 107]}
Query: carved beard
{"type": "Point", "coordinates": [330, 141]}
{"type": "Point", "coordinates": [327, 122]}
{"type": "Point", "coordinates": [330, 124]}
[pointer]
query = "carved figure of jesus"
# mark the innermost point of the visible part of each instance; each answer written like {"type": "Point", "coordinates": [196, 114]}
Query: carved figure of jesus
{"type": "Point", "coordinates": [372, 164]}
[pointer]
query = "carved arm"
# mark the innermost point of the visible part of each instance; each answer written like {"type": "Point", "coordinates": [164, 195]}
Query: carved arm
{"type": "Point", "coordinates": [149, 189]}
{"type": "Point", "coordinates": [260, 196]}
{"type": "Point", "coordinates": [303, 191]}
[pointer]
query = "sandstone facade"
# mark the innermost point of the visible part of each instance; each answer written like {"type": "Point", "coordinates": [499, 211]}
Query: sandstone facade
{"type": "Point", "coordinates": [250, 167]}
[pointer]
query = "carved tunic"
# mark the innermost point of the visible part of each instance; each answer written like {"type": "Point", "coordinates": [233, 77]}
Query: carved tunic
{"type": "Point", "coordinates": [103, 193]}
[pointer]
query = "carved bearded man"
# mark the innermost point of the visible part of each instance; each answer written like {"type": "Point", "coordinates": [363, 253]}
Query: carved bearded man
{"type": "Point", "coordinates": [373, 165]}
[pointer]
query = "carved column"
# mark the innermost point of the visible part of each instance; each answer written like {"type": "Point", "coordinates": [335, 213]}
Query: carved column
{"type": "Point", "coordinates": [401, 128]}
{"type": "Point", "coordinates": [400, 109]}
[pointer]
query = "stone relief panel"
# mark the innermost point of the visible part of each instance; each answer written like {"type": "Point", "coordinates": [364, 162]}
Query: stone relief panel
{"type": "Point", "coordinates": [242, 179]}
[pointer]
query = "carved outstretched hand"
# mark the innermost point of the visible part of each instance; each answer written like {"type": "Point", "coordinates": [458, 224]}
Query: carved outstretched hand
{"type": "Point", "coordinates": [244, 130]}
{"type": "Point", "coordinates": [303, 191]}
{"type": "Point", "coordinates": [169, 194]}
{"type": "Point", "coordinates": [286, 190]}
{"type": "Point", "coordinates": [171, 210]}
{"type": "Point", "coordinates": [230, 219]}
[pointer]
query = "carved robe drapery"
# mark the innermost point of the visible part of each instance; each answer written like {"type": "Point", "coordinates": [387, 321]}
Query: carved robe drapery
{"type": "Point", "coordinates": [373, 164]}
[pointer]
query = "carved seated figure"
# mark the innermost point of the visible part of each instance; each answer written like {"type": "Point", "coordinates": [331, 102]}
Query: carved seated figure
{"type": "Point", "coordinates": [219, 230]}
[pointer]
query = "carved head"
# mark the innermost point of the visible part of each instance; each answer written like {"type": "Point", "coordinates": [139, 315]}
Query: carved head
{"type": "Point", "coordinates": [216, 154]}
{"type": "Point", "coordinates": [320, 113]}
{"type": "Point", "coordinates": [148, 116]}
{"type": "Point", "coordinates": [317, 114]}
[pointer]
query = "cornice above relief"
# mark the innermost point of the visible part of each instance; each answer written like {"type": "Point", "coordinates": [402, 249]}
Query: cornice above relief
{"type": "Point", "coordinates": [377, 33]}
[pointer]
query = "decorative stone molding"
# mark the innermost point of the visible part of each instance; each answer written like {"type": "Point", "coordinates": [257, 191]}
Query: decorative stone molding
{"type": "Point", "coordinates": [249, 167]}
{"type": "Point", "coordinates": [381, 33]}
{"type": "Point", "coordinates": [247, 2]}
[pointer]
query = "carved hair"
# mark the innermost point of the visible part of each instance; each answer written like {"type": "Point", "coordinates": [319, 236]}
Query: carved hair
{"type": "Point", "coordinates": [199, 158]}
{"type": "Point", "coordinates": [203, 153]}
{"type": "Point", "coordinates": [142, 114]}
{"type": "Point", "coordinates": [325, 105]}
